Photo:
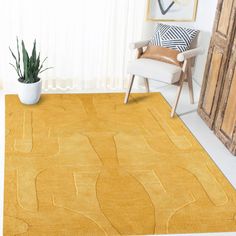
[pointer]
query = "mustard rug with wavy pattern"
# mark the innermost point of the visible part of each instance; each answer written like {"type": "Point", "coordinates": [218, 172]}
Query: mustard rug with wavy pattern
{"type": "Point", "coordinates": [89, 165]}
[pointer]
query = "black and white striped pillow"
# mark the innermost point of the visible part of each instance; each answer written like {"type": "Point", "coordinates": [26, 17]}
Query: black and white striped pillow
{"type": "Point", "coordinates": [174, 37]}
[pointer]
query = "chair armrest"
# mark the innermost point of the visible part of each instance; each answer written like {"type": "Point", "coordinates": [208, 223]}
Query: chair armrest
{"type": "Point", "coordinates": [139, 44]}
{"type": "Point", "coordinates": [189, 54]}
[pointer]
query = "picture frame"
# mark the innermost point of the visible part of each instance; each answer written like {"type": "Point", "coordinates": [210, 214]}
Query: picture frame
{"type": "Point", "coordinates": [171, 10]}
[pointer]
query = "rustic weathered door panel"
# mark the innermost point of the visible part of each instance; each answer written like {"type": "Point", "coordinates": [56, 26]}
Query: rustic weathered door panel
{"type": "Point", "coordinates": [228, 122]}
{"type": "Point", "coordinates": [224, 20]}
{"type": "Point", "coordinates": [225, 125]}
{"type": "Point", "coordinates": [217, 62]}
{"type": "Point", "coordinates": [213, 77]}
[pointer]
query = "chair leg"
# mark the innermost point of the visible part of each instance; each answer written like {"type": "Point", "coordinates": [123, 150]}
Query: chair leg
{"type": "Point", "coordinates": [177, 98]}
{"type": "Point", "coordinates": [190, 85]}
{"type": "Point", "coordinates": [146, 83]}
{"type": "Point", "coordinates": [129, 89]}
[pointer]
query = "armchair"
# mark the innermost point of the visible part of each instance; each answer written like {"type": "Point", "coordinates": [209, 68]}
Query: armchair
{"type": "Point", "coordinates": [164, 72]}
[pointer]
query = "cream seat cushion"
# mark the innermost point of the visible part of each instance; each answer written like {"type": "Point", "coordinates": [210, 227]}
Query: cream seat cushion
{"type": "Point", "coordinates": [153, 69]}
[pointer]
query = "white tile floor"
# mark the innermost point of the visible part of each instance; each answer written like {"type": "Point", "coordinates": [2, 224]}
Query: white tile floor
{"type": "Point", "coordinates": [188, 113]}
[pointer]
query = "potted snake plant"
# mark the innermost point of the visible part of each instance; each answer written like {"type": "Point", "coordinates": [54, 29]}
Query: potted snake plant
{"type": "Point", "coordinates": [29, 82]}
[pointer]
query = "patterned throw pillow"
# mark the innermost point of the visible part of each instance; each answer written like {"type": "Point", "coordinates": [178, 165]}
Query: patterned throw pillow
{"type": "Point", "coordinates": [174, 37]}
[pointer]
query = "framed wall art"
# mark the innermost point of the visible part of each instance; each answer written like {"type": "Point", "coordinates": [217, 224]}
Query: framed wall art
{"type": "Point", "coordinates": [172, 10]}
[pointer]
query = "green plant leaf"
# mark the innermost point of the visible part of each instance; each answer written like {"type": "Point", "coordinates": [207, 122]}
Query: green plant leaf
{"type": "Point", "coordinates": [18, 49]}
{"type": "Point", "coordinates": [19, 59]}
{"type": "Point", "coordinates": [17, 65]}
{"type": "Point", "coordinates": [33, 56]}
{"type": "Point", "coordinates": [31, 65]}
{"type": "Point", "coordinates": [15, 69]}
{"type": "Point", "coordinates": [13, 54]}
{"type": "Point", "coordinates": [45, 69]}
{"type": "Point", "coordinates": [25, 62]}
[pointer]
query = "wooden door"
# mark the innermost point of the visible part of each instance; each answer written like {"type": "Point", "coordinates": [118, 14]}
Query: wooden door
{"type": "Point", "coordinates": [225, 125]}
{"type": "Point", "coordinates": [217, 62]}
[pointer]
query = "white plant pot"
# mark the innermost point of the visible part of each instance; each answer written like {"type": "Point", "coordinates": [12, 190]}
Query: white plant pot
{"type": "Point", "coordinates": [29, 94]}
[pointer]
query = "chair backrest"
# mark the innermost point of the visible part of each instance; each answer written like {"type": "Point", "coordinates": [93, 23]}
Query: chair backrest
{"type": "Point", "coordinates": [194, 45]}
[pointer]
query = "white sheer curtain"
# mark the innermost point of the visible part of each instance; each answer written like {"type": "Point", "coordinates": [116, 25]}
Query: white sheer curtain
{"type": "Point", "coordinates": [86, 41]}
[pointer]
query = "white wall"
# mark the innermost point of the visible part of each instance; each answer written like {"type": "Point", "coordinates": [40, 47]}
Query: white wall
{"type": "Point", "coordinates": [204, 22]}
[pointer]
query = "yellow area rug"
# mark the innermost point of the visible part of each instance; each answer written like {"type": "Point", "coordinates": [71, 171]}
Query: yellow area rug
{"type": "Point", "coordinates": [89, 165]}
